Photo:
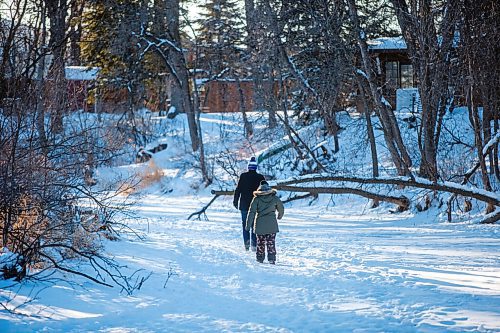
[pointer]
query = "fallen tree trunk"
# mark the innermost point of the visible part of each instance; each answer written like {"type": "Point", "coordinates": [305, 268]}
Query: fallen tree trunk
{"type": "Point", "coordinates": [300, 197]}
{"type": "Point", "coordinates": [479, 194]}
{"type": "Point", "coordinates": [402, 202]}
{"type": "Point", "coordinates": [491, 218]}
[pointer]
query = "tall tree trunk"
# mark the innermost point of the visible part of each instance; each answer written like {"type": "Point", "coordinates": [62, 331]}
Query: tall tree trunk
{"type": "Point", "coordinates": [57, 12]}
{"type": "Point", "coordinates": [270, 97]}
{"type": "Point", "coordinates": [181, 94]}
{"type": "Point", "coordinates": [264, 93]}
{"type": "Point", "coordinates": [430, 50]}
{"type": "Point", "coordinates": [207, 178]}
{"type": "Point", "coordinates": [159, 18]}
{"type": "Point", "coordinates": [476, 125]}
{"type": "Point", "coordinates": [243, 109]}
{"type": "Point", "coordinates": [40, 84]}
{"type": "Point", "coordinates": [370, 133]}
{"type": "Point", "coordinates": [75, 32]}
{"type": "Point", "coordinates": [286, 122]}
{"type": "Point", "coordinates": [251, 17]}
{"type": "Point", "coordinates": [392, 133]}
{"type": "Point", "coordinates": [369, 128]}
{"type": "Point", "coordinates": [496, 151]}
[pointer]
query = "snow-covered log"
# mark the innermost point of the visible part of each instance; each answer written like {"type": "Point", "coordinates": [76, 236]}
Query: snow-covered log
{"type": "Point", "coordinates": [466, 191]}
{"type": "Point", "coordinates": [402, 202]}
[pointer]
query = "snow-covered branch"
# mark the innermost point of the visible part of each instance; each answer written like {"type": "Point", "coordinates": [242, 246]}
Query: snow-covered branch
{"type": "Point", "coordinates": [157, 45]}
{"type": "Point", "coordinates": [494, 140]}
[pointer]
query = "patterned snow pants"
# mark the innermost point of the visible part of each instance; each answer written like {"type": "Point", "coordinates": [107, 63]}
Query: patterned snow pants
{"type": "Point", "coordinates": [269, 241]}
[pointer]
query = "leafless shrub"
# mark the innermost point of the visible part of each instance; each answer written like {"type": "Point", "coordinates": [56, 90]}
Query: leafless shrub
{"type": "Point", "coordinates": [51, 219]}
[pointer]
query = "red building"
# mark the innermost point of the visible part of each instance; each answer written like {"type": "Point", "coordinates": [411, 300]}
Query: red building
{"type": "Point", "coordinates": [230, 95]}
{"type": "Point", "coordinates": [226, 96]}
{"type": "Point", "coordinates": [79, 82]}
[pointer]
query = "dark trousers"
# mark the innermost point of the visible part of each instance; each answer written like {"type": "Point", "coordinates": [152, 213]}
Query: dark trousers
{"type": "Point", "coordinates": [269, 241]}
{"type": "Point", "coordinates": [246, 234]}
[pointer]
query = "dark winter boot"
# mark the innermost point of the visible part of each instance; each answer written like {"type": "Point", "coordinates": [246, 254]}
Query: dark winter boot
{"type": "Point", "coordinates": [260, 257]}
{"type": "Point", "coordinates": [271, 258]}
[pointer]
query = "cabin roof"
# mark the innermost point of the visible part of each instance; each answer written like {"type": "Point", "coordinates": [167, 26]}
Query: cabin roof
{"type": "Point", "coordinates": [81, 73]}
{"type": "Point", "coordinates": [387, 43]}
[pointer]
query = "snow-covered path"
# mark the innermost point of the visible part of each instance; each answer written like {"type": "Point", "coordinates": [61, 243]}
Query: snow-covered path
{"type": "Point", "coordinates": [338, 270]}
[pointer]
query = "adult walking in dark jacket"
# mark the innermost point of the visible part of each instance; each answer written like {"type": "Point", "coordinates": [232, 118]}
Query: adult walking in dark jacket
{"type": "Point", "coordinates": [243, 194]}
{"type": "Point", "coordinates": [262, 218]}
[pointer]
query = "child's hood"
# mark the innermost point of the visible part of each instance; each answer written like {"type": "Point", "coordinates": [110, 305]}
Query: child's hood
{"type": "Point", "coordinates": [265, 196]}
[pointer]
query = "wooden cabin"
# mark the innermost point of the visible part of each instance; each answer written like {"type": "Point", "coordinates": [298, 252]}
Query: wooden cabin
{"type": "Point", "coordinates": [394, 70]}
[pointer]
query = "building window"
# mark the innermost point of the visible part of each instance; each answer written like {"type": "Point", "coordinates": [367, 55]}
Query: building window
{"type": "Point", "coordinates": [391, 75]}
{"type": "Point", "coordinates": [398, 75]}
{"type": "Point", "coordinates": [406, 76]}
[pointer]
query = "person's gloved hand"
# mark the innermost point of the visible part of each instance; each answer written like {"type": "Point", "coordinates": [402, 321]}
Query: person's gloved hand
{"type": "Point", "coordinates": [235, 204]}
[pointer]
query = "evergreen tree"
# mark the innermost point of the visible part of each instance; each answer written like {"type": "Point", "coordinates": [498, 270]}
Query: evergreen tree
{"type": "Point", "coordinates": [109, 43]}
{"type": "Point", "coordinates": [220, 35]}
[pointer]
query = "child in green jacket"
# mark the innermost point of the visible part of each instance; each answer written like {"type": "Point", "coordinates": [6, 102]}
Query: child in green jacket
{"type": "Point", "coordinates": [262, 218]}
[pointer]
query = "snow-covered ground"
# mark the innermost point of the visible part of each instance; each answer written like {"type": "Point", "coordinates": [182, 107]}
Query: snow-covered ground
{"type": "Point", "coordinates": [341, 267]}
